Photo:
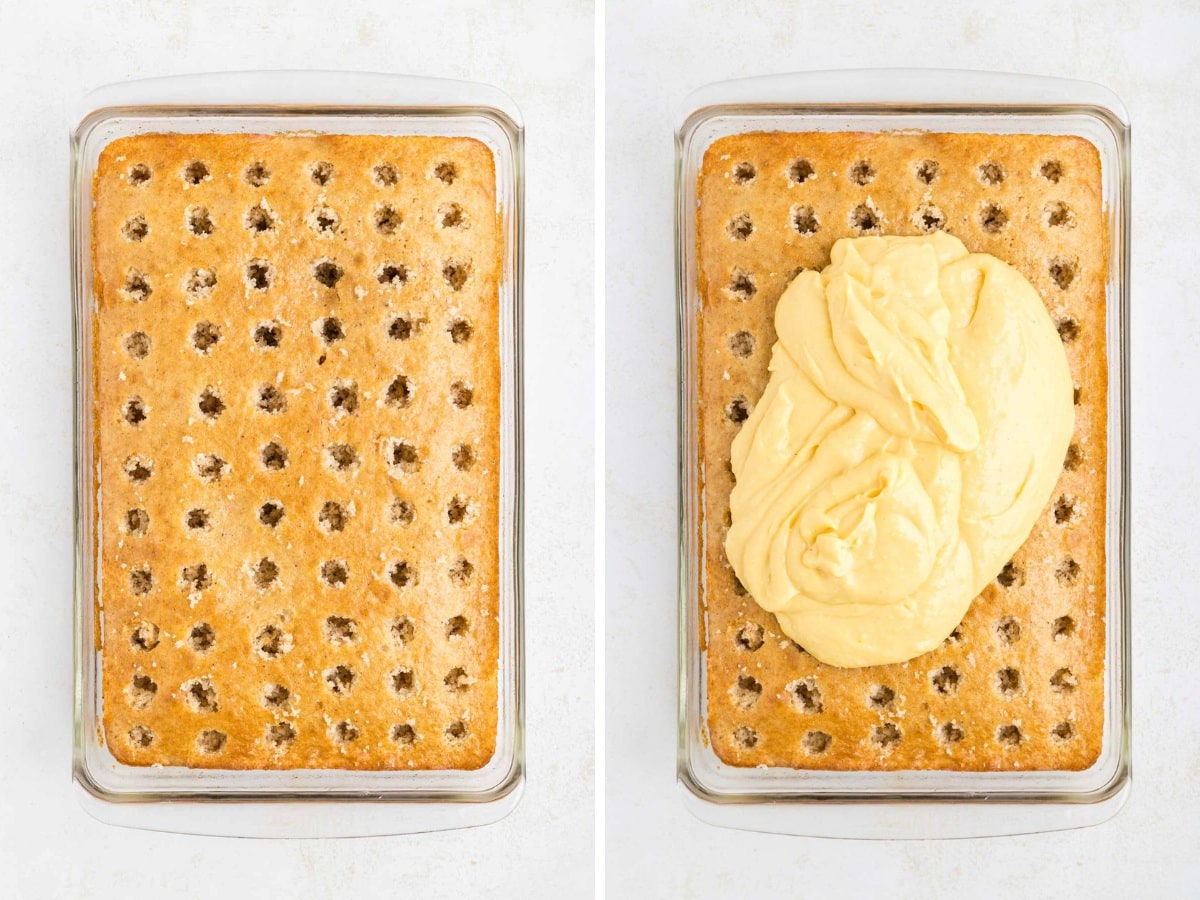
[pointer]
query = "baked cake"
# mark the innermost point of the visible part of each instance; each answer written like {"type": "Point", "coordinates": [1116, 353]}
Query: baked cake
{"type": "Point", "coordinates": [1020, 683]}
{"type": "Point", "coordinates": [297, 450]}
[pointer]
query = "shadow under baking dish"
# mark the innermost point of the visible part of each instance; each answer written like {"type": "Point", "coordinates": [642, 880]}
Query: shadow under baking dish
{"type": "Point", "coordinates": [878, 804]}
{"type": "Point", "coordinates": [281, 803]}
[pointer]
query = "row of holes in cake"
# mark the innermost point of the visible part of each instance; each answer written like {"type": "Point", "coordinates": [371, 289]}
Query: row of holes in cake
{"type": "Point", "coordinates": [261, 219]}
{"type": "Point", "coordinates": [990, 173]}
{"type": "Point", "coordinates": [281, 735]}
{"type": "Point", "coordinates": [260, 274]}
{"type": "Point", "coordinates": [319, 172]}
{"type": "Point", "coordinates": [887, 736]}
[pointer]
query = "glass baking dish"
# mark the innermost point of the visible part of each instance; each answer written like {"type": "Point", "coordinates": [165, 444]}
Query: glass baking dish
{"type": "Point", "coordinates": [301, 803]}
{"type": "Point", "coordinates": [904, 804]}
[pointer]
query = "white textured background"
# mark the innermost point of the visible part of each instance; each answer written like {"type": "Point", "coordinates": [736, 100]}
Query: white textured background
{"type": "Point", "coordinates": [53, 52]}
{"type": "Point", "coordinates": [657, 52]}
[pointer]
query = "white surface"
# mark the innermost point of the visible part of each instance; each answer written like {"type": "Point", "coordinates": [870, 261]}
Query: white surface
{"type": "Point", "coordinates": [657, 52]}
{"type": "Point", "coordinates": [54, 52]}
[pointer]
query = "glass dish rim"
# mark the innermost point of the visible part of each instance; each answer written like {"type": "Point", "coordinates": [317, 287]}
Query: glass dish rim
{"type": "Point", "coordinates": [281, 95]}
{"type": "Point", "coordinates": [879, 94]}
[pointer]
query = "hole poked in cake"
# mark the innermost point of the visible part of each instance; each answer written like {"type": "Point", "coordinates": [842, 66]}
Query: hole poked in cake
{"type": "Point", "coordinates": [144, 637]}
{"type": "Point", "coordinates": [1064, 510]}
{"type": "Point", "coordinates": [330, 329]}
{"type": "Point", "coordinates": [134, 411]}
{"type": "Point", "coordinates": [865, 218]}
{"type": "Point", "coordinates": [403, 328]}
{"type": "Point", "coordinates": [141, 581]}
{"type": "Point", "coordinates": [885, 736]}
{"type": "Point", "coordinates": [402, 574]}
{"type": "Point", "coordinates": [402, 681]}
{"type": "Point", "coordinates": [274, 457]}
{"type": "Point", "coordinates": [195, 578]}
{"type": "Point", "coordinates": [945, 680]}
{"type": "Point", "coordinates": [1062, 732]}
{"type": "Point", "coordinates": [461, 571]}
{"type": "Point", "coordinates": [341, 457]}
{"type": "Point", "coordinates": [1058, 215]}
{"type": "Point", "coordinates": [393, 273]}
{"type": "Point", "coordinates": [928, 218]}
{"type": "Point", "coordinates": [403, 734]}
{"type": "Point", "coordinates": [861, 173]}
{"type": "Point", "coordinates": [272, 642]}
{"type": "Point", "coordinates": [741, 344]}
{"type": "Point", "coordinates": [1068, 330]}
{"type": "Point", "coordinates": [463, 457]}
{"type": "Point", "coordinates": [403, 458]}
{"type": "Point", "coordinates": [137, 286]}
{"type": "Point", "coordinates": [992, 218]}
{"type": "Point", "coordinates": [1062, 272]}
{"type": "Point", "coordinates": [275, 696]}
{"type": "Point", "coordinates": [954, 636]}
{"type": "Point", "coordinates": [139, 174]}
{"type": "Point", "coordinates": [344, 733]}
{"type": "Point", "coordinates": [740, 227]}
{"type": "Point", "coordinates": [320, 172]}
{"type": "Point", "coordinates": [800, 171]}
{"type": "Point", "coordinates": [387, 219]}
{"type": "Point", "coordinates": [340, 630]}
{"type": "Point", "coordinates": [268, 335]}
{"type": "Point", "coordinates": [881, 696]}
{"type": "Point", "coordinates": [271, 513]}
{"type": "Point", "coordinates": [401, 512]}
{"type": "Point", "coordinates": [210, 403]}
{"type": "Point", "coordinates": [200, 695]}
{"type": "Point", "coordinates": [141, 691]}
{"type": "Point", "coordinates": [385, 175]}
{"type": "Point", "coordinates": [137, 522]}
{"type": "Point", "coordinates": [459, 510]}
{"type": "Point", "coordinates": [259, 275]}
{"type": "Point", "coordinates": [1009, 736]}
{"type": "Point", "coordinates": [270, 399]}
{"type": "Point", "coordinates": [399, 392]}
{"type": "Point", "coordinates": [256, 174]}
{"type": "Point", "coordinates": [265, 573]}
{"type": "Point", "coordinates": [1008, 681]}
{"type": "Point", "coordinates": [1062, 628]}
{"type": "Point", "coordinates": [746, 691]}
{"type": "Point", "coordinates": [804, 221]}
{"type": "Point", "coordinates": [460, 330]}
{"type": "Point", "coordinates": [1073, 459]}
{"type": "Point", "coordinates": [335, 573]}
{"type": "Point", "coordinates": [457, 627]}
{"type": "Point", "coordinates": [815, 743]}
{"type": "Point", "coordinates": [202, 637]}
{"type": "Point", "coordinates": [137, 344]}
{"type": "Point", "coordinates": [744, 173]}
{"type": "Point", "coordinates": [1008, 630]}
{"type": "Point", "coordinates": [461, 394]}
{"type": "Point", "coordinates": [199, 283]}
{"type": "Point", "coordinates": [197, 519]}
{"type": "Point", "coordinates": [456, 273]}
{"type": "Point", "coordinates": [205, 336]}
{"type": "Point", "coordinates": [259, 218]}
{"type": "Point", "coordinates": [323, 220]}
{"type": "Point", "coordinates": [210, 741]}
{"type": "Point", "coordinates": [805, 696]}
{"type": "Point", "coordinates": [749, 637]}
{"type": "Point", "coordinates": [340, 679]}
{"type": "Point", "coordinates": [140, 737]}
{"type": "Point", "coordinates": [927, 171]}
{"type": "Point", "coordinates": [1067, 571]}
{"type": "Point", "coordinates": [457, 680]}
{"type": "Point", "coordinates": [1063, 681]}
{"type": "Point", "coordinates": [333, 517]}
{"type": "Point", "coordinates": [138, 469]}
{"type": "Point", "coordinates": [343, 396]}
{"type": "Point", "coordinates": [198, 221]}
{"type": "Point", "coordinates": [195, 172]}
{"type": "Point", "coordinates": [1052, 170]}
{"type": "Point", "coordinates": [737, 410]}
{"type": "Point", "coordinates": [281, 735]}
{"type": "Point", "coordinates": [1011, 575]}
{"type": "Point", "coordinates": [991, 173]}
{"type": "Point", "coordinates": [451, 215]}
{"type": "Point", "coordinates": [402, 630]}
{"type": "Point", "coordinates": [446, 172]}
{"type": "Point", "coordinates": [741, 285]}
{"type": "Point", "coordinates": [327, 273]}
{"type": "Point", "coordinates": [745, 737]}
{"type": "Point", "coordinates": [135, 229]}
{"type": "Point", "coordinates": [949, 733]}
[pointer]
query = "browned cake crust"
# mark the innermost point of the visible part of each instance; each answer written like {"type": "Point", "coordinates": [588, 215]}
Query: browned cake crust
{"type": "Point", "coordinates": [1020, 684]}
{"type": "Point", "coordinates": [297, 388]}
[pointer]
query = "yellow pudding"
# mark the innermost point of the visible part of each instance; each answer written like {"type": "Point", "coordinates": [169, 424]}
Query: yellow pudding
{"type": "Point", "coordinates": [913, 428]}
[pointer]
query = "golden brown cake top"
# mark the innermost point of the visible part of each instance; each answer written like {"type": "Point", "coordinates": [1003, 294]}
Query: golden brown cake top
{"type": "Point", "coordinates": [297, 446]}
{"type": "Point", "coordinates": [1020, 683]}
